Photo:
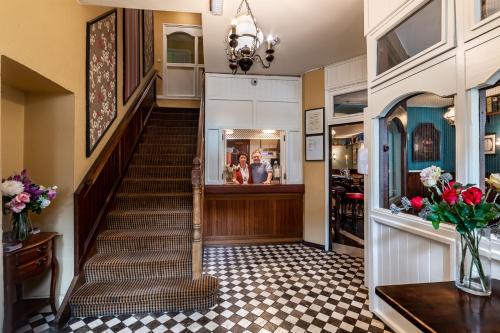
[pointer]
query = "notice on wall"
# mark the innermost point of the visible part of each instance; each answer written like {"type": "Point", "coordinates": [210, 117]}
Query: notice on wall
{"type": "Point", "coordinates": [314, 148]}
{"type": "Point", "coordinates": [314, 121]}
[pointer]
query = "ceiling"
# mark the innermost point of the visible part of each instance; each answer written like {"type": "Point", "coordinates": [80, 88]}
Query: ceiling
{"type": "Point", "coordinates": [313, 33]}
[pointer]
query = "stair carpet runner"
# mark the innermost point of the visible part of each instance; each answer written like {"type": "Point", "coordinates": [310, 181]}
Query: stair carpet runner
{"type": "Point", "coordinates": [143, 260]}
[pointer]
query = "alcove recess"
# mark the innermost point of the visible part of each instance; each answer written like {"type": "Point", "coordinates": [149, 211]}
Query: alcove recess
{"type": "Point", "coordinates": [37, 134]}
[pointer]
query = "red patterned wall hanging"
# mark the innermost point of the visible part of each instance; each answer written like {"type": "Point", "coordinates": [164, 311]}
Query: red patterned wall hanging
{"type": "Point", "coordinates": [101, 77]}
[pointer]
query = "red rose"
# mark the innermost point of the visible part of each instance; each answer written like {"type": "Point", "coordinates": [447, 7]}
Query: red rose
{"type": "Point", "coordinates": [472, 196]}
{"type": "Point", "coordinates": [417, 203]}
{"type": "Point", "coordinates": [450, 196]}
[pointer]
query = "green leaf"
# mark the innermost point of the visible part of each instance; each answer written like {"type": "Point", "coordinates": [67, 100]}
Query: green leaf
{"type": "Point", "coordinates": [450, 217]}
{"type": "Point", "coordinates": [435, 224]}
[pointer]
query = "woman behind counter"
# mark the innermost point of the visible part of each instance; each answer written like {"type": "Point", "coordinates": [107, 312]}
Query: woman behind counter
{"type": "Point", "coordinates": [243, 173]}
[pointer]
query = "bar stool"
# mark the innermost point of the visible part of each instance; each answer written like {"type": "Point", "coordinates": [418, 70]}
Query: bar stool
{"type": "Point", "coordinates": [354, 208]}
{"type": "Point", "coordinates": [336, 211]}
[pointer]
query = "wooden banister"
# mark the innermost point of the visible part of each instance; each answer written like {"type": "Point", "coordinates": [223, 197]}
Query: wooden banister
{"type": "Point", "coordinates": [197, 181]}
{"type": "Point", "coordinates": [97, 189]}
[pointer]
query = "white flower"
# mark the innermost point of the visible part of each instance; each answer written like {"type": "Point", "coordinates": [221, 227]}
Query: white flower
{"type": "Point", "coordinates": [11, 188]}
{"type": "Point", "coordinates": [45, 203]}
{"type": "Point", "coordinates": [430, 176]}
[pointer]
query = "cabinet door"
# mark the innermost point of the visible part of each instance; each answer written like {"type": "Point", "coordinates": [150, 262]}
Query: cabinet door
{"type": "Point", "coordinates": [212, 157]}
{"type": "Point", "coordinates": [294, 157]}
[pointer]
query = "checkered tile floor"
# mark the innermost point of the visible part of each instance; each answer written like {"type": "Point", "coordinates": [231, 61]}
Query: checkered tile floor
{"type": "Point", "coordinates": [275, 288]}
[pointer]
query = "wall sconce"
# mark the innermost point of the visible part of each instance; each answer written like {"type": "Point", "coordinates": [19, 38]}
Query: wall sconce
{"type": "Point", "coordinates": [229, 131]}
{"type": "Point", "coordinates": [449, 116]}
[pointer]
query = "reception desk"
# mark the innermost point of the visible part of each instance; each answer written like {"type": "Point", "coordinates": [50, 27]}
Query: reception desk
{"type": "Point", "coordinates": [253, 214]}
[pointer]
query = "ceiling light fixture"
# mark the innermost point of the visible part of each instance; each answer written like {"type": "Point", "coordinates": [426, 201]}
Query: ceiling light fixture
{"type": "Point", "coordinates": [450, 115]}
{"type": "Point", "coordinates": [245, 38]}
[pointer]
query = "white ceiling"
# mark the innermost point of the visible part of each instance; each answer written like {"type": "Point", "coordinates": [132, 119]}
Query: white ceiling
{"type": "Point", "coordinates": [313, 33]}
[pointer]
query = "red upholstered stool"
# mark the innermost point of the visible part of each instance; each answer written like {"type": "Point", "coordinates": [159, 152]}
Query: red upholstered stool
{"type": "Point", "coordinates": [354, 208]}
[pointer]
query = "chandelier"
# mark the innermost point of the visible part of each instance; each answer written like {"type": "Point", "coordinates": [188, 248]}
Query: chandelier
{"type": "Point", "coordinates": [245, 38]}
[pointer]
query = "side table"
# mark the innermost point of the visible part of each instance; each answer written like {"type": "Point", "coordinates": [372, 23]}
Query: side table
{"type": "Point", "coordinates": [34, 258]}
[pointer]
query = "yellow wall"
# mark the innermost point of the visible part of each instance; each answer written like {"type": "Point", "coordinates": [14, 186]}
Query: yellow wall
{"type": "Point", "coordinates": [49, 37]}
{"type": "Point", "coordinates": [12, 130]}
{"type": "Point", "coordinates": [313, 94]}
{"type": "Point", "coordinates": [161, 18]}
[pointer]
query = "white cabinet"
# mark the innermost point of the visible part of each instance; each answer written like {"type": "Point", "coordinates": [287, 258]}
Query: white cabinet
{"type": "Point", "coordinates": [213, 158]}
{"type": "Point", "coordinates": [277, 115]}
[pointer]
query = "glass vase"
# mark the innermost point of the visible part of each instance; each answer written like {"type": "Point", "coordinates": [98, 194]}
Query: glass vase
{"type": "Point", "coordinates": [20, 225]}
{"type": "Point", "coordinates": [473, 264]}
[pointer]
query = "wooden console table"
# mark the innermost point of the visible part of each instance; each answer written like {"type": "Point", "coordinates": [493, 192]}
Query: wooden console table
{"type": "Point", "coordinates": [34, 258]}
{"type": "Point", "coordinates": [442, 308]}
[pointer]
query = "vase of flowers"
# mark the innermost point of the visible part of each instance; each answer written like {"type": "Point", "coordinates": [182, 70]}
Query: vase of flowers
{"type": "Point", "coordinates": [471, 212]}
{"type": "Point", "coordinates": [20, 197]}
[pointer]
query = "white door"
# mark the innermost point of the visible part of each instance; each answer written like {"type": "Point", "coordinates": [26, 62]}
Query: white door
{"type": "Point", "coordinates": [183, 61]}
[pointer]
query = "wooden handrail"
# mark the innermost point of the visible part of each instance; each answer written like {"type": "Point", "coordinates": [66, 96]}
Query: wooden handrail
{"type": "Point", "coordinates": [197, 181]}
{"type": "Point", "coordinates": [97, 189]}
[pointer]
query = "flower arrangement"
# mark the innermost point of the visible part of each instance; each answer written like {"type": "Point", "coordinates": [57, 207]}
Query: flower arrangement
{"type": "Point", "coordinates": [468, 209]}
{"type": "Point", "coordinates": [21, 196]}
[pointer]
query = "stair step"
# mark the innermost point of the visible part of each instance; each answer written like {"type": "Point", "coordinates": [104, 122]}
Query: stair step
{"type": "Point", "coordinates": [149, 148]}
{"type": "Point", "coordinates": [171, 219]}
{"type": "Point", "coordinates": [143, 171]}
{"type": "Point", "coordinates": [153, 201]}
{"type": "Point", "coordinates": [173, 116]}
{"type": "Point", "coordinates": [158, 130]}
{"type": "Point", "coordinates": [163, 159]}
{"type": "Point", "coordinates": [173, 123]}
{"type": "Point", "coordinates": [176, 110]}
{"type": "Point", "coordinates": [156, 185]}
{"type": "Point", "coordinates": [151, 265]}
{"type": "Point", "coordinates": [141, 296]}
{"type": "Point", "coordinates": [124, 240]}
{"type": "Point", "coordinates": [170, 139]}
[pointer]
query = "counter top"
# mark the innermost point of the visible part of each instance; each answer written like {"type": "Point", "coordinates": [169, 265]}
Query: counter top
{"type": "Point", "coordinates": [441, 307]}
{"type": "Point", "coordinates": [254, 189]}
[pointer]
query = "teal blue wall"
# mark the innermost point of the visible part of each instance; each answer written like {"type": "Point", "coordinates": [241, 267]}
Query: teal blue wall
{"type": "Point", "coordinates": [417, 115]}
{"type": "Point", "coordinates": [493, 161]}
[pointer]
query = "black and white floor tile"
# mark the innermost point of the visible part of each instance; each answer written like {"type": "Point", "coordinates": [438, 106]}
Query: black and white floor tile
{"type": "Point", "coordinates": [274, 288]}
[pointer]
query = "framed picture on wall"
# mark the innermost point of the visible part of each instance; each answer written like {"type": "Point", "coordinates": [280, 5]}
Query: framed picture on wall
{"type": "Point", "coordinates": [147, 41]}
{"type": "Point", "coordinates": [314, 121]}
{"type": "Point", "coordinates": [131, 53]}
{"type": "Point", "coordinates": [101, 73]}
{"type": "Point", "coordinates": [490, 144]}
{"type": "Point", "coordinates": [314, 146]}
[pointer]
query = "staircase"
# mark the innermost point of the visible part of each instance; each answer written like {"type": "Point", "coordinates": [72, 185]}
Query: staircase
{"type": "Point", "coordinates": [143, 260]}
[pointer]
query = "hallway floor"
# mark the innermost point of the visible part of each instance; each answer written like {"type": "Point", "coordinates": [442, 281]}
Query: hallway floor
{"type": "Point", "coordinates": [274, 288]}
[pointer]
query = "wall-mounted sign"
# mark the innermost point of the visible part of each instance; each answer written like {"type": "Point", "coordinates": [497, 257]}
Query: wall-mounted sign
{"type": "Point", "coordinates": [314, 148]}
{"type": "Point", "coordinates": [314, 121]}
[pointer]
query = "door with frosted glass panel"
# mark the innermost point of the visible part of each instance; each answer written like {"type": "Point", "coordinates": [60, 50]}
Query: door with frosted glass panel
{"type": "Point", "coordinates": [183, 62]}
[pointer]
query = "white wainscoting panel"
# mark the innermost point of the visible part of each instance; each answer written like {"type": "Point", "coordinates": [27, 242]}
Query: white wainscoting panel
{"type": "Point", "coordinates": [294, 157]}
{"type": "Point", "coordinates": [229, 87]}
{"type": "Point", "coordinates": [212, 157]}
{"type": "Point", "coordinates": [346, 73]}
{"type": "Point", "coordinates": [277, 115]}
{"type": "Point", "coordinates": [229, 114]}
{"type": "Point", "coordinates": [278, 90]}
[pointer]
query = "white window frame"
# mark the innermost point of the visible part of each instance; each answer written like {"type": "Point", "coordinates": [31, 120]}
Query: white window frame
{"type": "Point", "coordinates": [447, 40]}
{"type": "Point", "coordinates": [473, 25]}
{"type": "Point", "coordinates": [196, 32]}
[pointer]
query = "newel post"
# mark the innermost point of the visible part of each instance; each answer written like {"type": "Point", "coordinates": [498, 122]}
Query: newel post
{"type": "Point", "coordinates": [197, 250]}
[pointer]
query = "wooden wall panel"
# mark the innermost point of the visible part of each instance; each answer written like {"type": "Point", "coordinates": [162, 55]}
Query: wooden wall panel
{"type": "Point", "coordinates": [252, 218]}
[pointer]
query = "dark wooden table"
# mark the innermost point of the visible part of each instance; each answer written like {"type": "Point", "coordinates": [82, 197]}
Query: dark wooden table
{"type": "Point", "coordinates": [442, 308]}
{"type": "Point", "coordinates": [35, 257]}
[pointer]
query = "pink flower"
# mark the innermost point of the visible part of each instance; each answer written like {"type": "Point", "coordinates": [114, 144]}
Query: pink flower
{"type": "Point", "coordinates": [16, 206]}
{"type": "Point", "coordinates": [22, 197]}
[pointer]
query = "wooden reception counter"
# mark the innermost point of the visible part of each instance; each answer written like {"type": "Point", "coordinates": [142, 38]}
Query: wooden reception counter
{"type": "Point", "coordinates": [253, 214]}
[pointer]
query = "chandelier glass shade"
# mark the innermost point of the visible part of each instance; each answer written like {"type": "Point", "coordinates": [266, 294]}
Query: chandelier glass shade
{"type": "Point", "coordinates": [244, 39]}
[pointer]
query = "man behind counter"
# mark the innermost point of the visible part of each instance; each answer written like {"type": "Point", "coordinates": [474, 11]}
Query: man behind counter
{"type": "Point", "coordinates": [262, 171]}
